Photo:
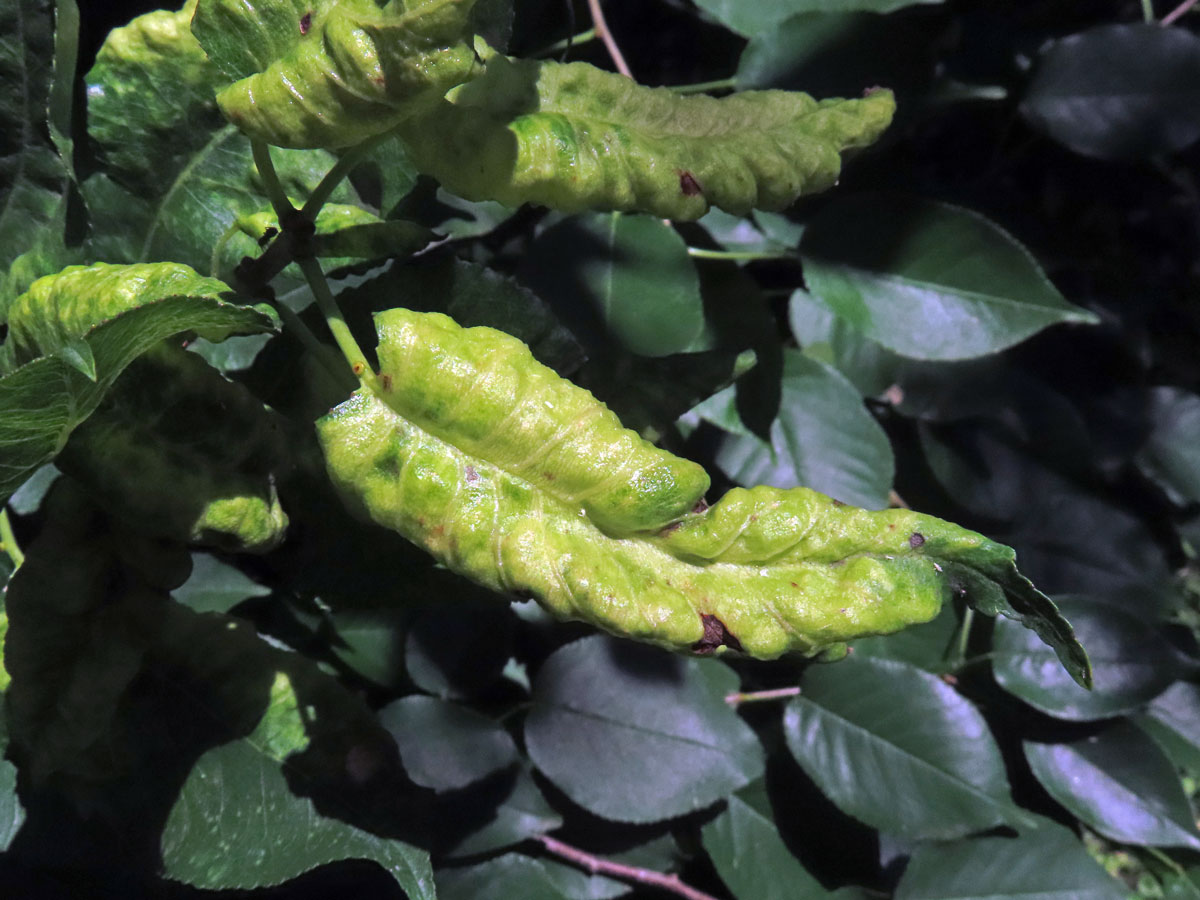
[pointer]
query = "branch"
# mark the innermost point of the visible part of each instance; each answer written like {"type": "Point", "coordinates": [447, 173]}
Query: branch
{"type": "Point", "coordinates": [605, 35]}
{"type": "Point", "coordinates": [1178, 11]}
{"type": "Point", "coordinates": [737, 699]}
{"type": "Point", "coordinates": [598, 866]}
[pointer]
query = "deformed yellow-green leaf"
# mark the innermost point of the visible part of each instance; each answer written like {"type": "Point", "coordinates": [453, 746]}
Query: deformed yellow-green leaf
{"type": "Point", "coordinates": [573, 137]}
{"type": "Point", "coordinates": [527, 484]}
{"type": "Point", "coordinates": [332, 73]}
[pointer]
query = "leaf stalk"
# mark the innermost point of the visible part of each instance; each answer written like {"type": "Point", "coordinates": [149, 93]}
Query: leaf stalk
{"type": "Point", "coordinates": [8, 541]}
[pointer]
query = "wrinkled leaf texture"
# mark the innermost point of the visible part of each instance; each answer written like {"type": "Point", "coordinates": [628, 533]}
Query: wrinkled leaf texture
{"type": "Point", "coordinates": [522, 481]}
{"type": "Point", "coordinates": [573, 137]}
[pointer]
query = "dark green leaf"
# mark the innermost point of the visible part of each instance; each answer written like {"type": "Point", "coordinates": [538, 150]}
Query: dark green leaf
{"type": "Point", "coordinates": [32, 176]}
{"type": "Point", "coordinates": [637, 735]}
{"type": "Point", "coordinates": [1119, 783]}
{"type": "Point", "coordinates": [1048, 863]}
{"type": "Point", "coordinates": [623, 278]}
{"type": "Point", "coordinates": [215, 586]}
{"type": "Point", "coordinates": [1171, 455]}
{"type": "Point", "coordinates": [830, 339]}
{"type": "Point", "coordinates": [840, 54]}
{"type": "Point", "coordinates": [12, 813]}
{"type": "Point", "coordinates": [926, 279]}
{"type": "Point", "coordinates": [522, 812]}
{"type": "Point", "coordinates": [1119, 91]}
{"type": "Point", "coordinates": [823, 438]}
{"type": "Point", "coordinates": [1173, 719]}
{"type": "Point", "coordinates": [78, 355]}
{"type": "Point", "coordinates": [764, 15]}
{"type": "Point", "coordinates": [444, 746]}
{"type": "Point", "coordinates": [869, 728]}
{"type": "Point", "coordinates": [513, 875]}
{"type": "Point", "coordinates": [472, 295]}
{"type": "Point", "coordinates": [752, 859]}
{"type": "Point", "coordinates": [237, 824]}
{"type": "Point", "coordinates": [1130, 659]}
{"type": "Point", "coordinates": [44, 400]}
{"type": "Point", "coordinates": [235, 354]}
{"type": "Point", "coordinates": [457, 651]}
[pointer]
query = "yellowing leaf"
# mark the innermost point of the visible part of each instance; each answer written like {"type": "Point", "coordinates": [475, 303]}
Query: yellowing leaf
{"type": "Point", "coordinates": [573, 137]}
{"type": "Point", "coordinates": [525, 483]}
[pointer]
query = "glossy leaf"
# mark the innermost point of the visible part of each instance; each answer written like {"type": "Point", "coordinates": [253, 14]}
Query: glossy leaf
{"type": "Point", "coordinates": [237, 824]}
{"type": "Point", "coordinates": [621, 278]}
{"type": "Point", "coordinates": [754, 18]}
{"type": "Point", "coordinates": [752, 859]}
{"type": "Point", "coordinates": [572, 137]}
{"type": "Point", "coordinates": [45, 399]}
{"type": "Point", "coordinates": [926, 279]}
{"type": "Point", "coordinates": [1120, 784]}
{"type": "Point", "coordinates": [635, 735]}
{"type": "Point", "coordinates": [442, 454]}
{"type": "Point", "coordinates": [444, 746]}
{"type": "Point", "coordinates": [215, 586]}
{"type": "Point", "coordinates": [822, 438]}
{"type": "Point", "coordinates": [1132, 665]}
{"type": "Point", "coordinates": [1118, 91]}
{"type": "Point", "coordinates": [1048, 863]}
{"type": "Point", "coordinates": [1173, 719]}
{"type": "Point", "coordinates": [1171, 454]}
{"type": "Point", "coordinates": [520, 813]}
{"type": "Point", "coordinates": [333, 73]}
{"type": "Point", "coordinates": [871, 728]}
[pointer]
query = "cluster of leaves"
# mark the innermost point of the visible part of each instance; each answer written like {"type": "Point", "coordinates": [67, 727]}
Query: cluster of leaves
{"type": "Point", "coordinates": [251, 683]}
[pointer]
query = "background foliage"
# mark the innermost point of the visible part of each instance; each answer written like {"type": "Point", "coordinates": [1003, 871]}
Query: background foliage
{"type": "Point", "coordinates": [991, 318]}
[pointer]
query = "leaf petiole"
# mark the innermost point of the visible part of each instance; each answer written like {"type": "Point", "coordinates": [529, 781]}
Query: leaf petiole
{"type": "Point", "coordinates": [734, 255]}
{"type": "Point", "coordinates": [336, 322]}
{"type": "Point", "coordinates": [266, 170]}
{"type": "Point", "coordinates": [335, 176]}
{"type": "Point", "coordinates": [8, 541]}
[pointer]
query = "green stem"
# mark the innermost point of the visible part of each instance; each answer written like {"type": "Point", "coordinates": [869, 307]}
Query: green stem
{"type": "Point", "coordinates": [721, 84]}
{"type": "Point", "coordinates": [760, 696]}
{"type": "Point", "coordinates": [701, 253]}
{"type": "Point", "coordinates": [1166, 861]}
{"type": "Point", "coordinates": [266, 170]}
{"type": "Point", "coordinates": [323, 354]}
{"type": "Point", "coordinates": [1148, 10]}
{"type": "Point", "coordinates": [335, 176]}
{"type": "Point", "coordinates": [8, 541]}
{"type": "Point", "coordinates": [1169, 18]}
{"type": "Point", "coordinates": [559, 46]}
{"type": "Point", "coordinates": [215, 260]}
{"type": "Point", "coordinates": [337, 324]}
{"type": "Point", "coordinates": [963, 637]}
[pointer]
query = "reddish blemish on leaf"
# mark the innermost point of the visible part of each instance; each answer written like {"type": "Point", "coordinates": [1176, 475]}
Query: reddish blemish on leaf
{"type": "Point", "coordinates": [386, 381]}
{"type": "Point", "coordinates": [472, 475]}
{"type": "Point", "coordinates": [305, 22]}
{"type": "Point", "coordinates": [715, 635]}
{"type": "Point", "coordinates": [689, 185]}
{"type": "Point", "coordinates": [916, 539]}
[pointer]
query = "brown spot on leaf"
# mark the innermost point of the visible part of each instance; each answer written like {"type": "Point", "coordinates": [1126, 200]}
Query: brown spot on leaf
{"type": "Point", "coordinates": [837, 502]}
{"type": "Point", "coordinates": [794, 584]}
{"type": "Point", "coordinates": [549, 476]}
{"type": "Point", "coordinates": [688, 184]}
{"type": "Point", "coordinates": [386, 381]}
{"type": "Point", "coordinates": [715, 635]}
{"type": "Point", "coordinates": [916, 539]}
{"type": "Point", "coordinates": [305, 22]}
{"type": "Point", "coordinates": [701, 506]}
{"type": "Point", "coordinates": [472, 475]}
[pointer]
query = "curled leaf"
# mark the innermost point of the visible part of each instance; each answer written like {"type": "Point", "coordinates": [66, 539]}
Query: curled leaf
{"type": "Point", "coordinates": [525, 483]}
{"type": "Point", "coordinates": [175, 450]}
{"type": "Point", "coordinates": [572, 137]}
{"type": "Point", "coordinates": [58, 309]}
{"type": "Point", "coordinates": [332, 73]}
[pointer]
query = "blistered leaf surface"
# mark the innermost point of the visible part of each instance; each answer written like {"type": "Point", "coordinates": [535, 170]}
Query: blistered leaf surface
{"type": "Point", "coordinates": [572, 137]}
{"type": "Point", "coordinates": [333, 73]}
{"type": "Point", "coordinates": [527, 484]}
